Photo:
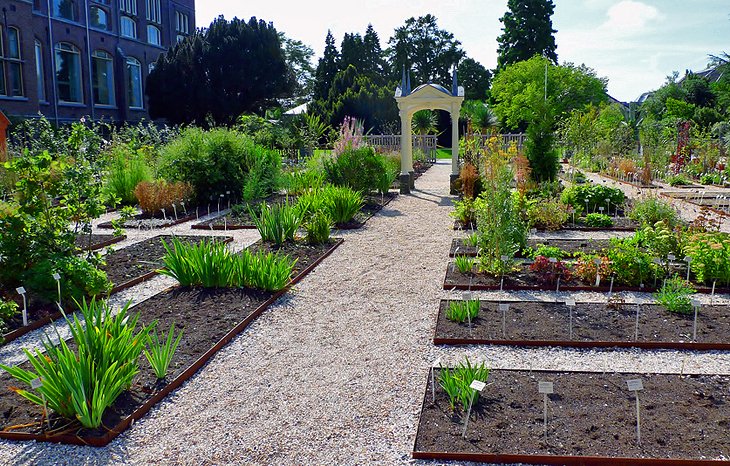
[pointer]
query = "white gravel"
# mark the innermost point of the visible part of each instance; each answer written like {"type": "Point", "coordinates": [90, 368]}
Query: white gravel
{"type": "Point", "coordinates": [334, 372]}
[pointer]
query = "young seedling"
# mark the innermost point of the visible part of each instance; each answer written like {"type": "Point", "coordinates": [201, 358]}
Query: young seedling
{"type": "Point", "coordinates": [476, 386]}
{"type": "Point", "coordinates": [21, 292]}
{"type": "Point", "coordinates": [636, 385]}
{"type": "Point", "coordinates": [546, 388]}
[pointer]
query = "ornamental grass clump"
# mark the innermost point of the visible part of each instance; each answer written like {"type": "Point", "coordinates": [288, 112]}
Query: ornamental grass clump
{"type": "Point", "coordinates": [341, 203]}
{"type": "Point", "coordinates": [463, 311]}
{"type": "Point", "coordinates": [464, 264]}
{"type": "Point", "coordinates": [81, 385]}
{"type": "Point", "coordinates": [456, 383]}
{"type": "Point", "coordinates": [160, 353]}
{"type": "Point", "coordinates": [277, 223]}
{"type": "Point", "coordinates": [318, 228]}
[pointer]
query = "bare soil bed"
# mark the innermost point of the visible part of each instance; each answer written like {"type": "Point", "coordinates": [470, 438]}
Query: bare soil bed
{"type": "Point", "coordinates": [589, 415]}
{"type": "Point", "coordinates": [94, 241]}
{"type": "Point", "coordinates": [594, 325]}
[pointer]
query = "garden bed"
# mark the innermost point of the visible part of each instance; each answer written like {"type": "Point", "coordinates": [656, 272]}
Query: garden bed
{"type": "Point", "coordinates": [142, 221]}
{"type": "Point", "coordinates": [591, 420]}
{"type": "Point", "coordinates": [709, 201]}
{"type": "Point", "coordinates": [530, 323]}
{"type": "Point", "coordinates": [139, 262]}
{"type": "Point", "coordinates": [239, 218]}
{"type": "Point", "coordinates": [94, 241]}
{"type": "Point", "coordinates": [571, 246]}
{"type": "Point", "coordinates": [209, 319]}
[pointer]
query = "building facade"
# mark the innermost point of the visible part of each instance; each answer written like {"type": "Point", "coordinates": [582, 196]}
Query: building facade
{"type": "Point", "coordinates": [67, 59]}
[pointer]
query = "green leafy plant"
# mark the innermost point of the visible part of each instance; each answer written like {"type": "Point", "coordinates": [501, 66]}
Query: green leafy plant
{"type": "Point", "coordinates": [126, 170]}
{"type": "Point", "coordinates": [456, 383]}
{"type": "Point", "coordinates": [318, 228]}
{"type": "Point", "coordinates": [464, 212]}
{"type": "Point", "coordinates": [80, 278]}
{"type": "Point", "coordinates": [592, 196]}
{"type": "Point", "coordinates": [462, 311]}
{"type": "Point", "coordinates": [341, 203]}
{"type": "Point", "coordinates": [549, 214]}
{"type": "Point", "coordinates": [464, 264]}
{"type": "Point", "coordinates": [675, 295]}
{"type": "Point", "coordinates": [678, 180]}
{"type": "Point", "coordinates": [82, 385]}
{"type": "Point", "coordinates": [277, 223]}
{"type": "Point", "coordinates": [8, 310]}
{"type": "Point", "coordinates": [472, 240]}
{"type": "Point", "coordinates": [548, 272]}
{"type": "Point", "coordinates": [160, 353]}
{"type": "Point", "coordinates": [360, 169]}
{"type": "Point", "coordinates": [650, 210]}
{"type": "Point", "coordinates": [631, 264]}
{"type": "Point", "coordinates": [710, 253]}
{"type": "Point", "coordinates": [595, 220]}
{"type": "Point", "coordinates": [547, 251]}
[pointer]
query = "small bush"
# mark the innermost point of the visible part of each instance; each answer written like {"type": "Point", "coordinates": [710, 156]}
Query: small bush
{"type": "Point", "coordinates": [675, 296]}
{"type": "Point", "coordinates": [8, 310]}
{"type": "Point", "coordinates": [277, 223]}
{"type": "Point", "coordinates": [318, 228]}
{"type": "Point", "coordinates": [548, 272]}
{"type": "Point", "coordinates": [158, 195]}
{"type": "Point", "coordinates": [463, 311]}
{"type": "Point", "coordinates": [547, 251]}
{"type": "Point", "coordinates": [595, 220]}
{"type": "Point", "coordinates": [549, 214]}
{"type": "Point", "coordinates": [456, 383]}
{"type": "Point", "coordinates": [79, 279]}
{"type": "Point", "coordinates": [678, 180]}
{"type": "Point", "coordinates": [631, 265]}
{"type": "Point", "coordinates": [585, 267]}
{"type": "Point", "coordinates": [341, 203]}
{"type": "Point", "coordinates": [710, 253]}
{"type": "Point", "coordinates": [360, 169]}
{"type": "Point", "coordinates": [468, 177]}
{"type": "Point", "coordinates": [592, 196]}
{"type": "Point", "coordinates": [464, 212]}
{"type": "Point", "coordinates": [650, 210]}
{"type": "Point", "coordinates": [299, 182]}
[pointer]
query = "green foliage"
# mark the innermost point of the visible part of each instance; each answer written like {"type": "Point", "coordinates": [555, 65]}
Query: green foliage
{"type": "Point", "coordinates": [596, 220]}
{"type": "Point", "coordinates": [390, 174]}
{"type": "Point", "coordinates": [277, 223]}
{"type": "Point", "coordinates": [549, 214]}
{"type": "Point", "coordinates": [318, 228]}
{"type": "Point", "coordinates": [265, 133]}
{"type": "Point", "coordinates": [359, 169]}
{"type": "Point", "coordinates": [659, 241]}
{"type": "Point", "coordinates": [219, 161]}
{"type": "Point", "coordinates": [126, 170]}
{"type": "Point", "coordinates": [301, 182]}
{"type": "Point", "coordinates": [160, 353]}
{"type": "Point", "coordinates": [463, 311]}
{"type": "Point", "coordinates": [230, 68]}
{"type": "Point", "coordinates": [424, 122]}
{"type": "Point", "coordinates": [631, 264]}
{"type": "Point", "coordinates": [710, 253]}
{"type": "Point", "coordinates": [8, 310]}
{"type": "Point", "coordinates": [327, 67]}
{"type": "Point", "coordinates": [472, 240]}
{"type": "Point", "coordinates": [528, 31]}
{"type": "Point", "coordinates": [675, 295]}
{"type": "Point", "coordinates": [456, 383]}
{"type": "Point", "coordinates": [650, 210]}
{"type": "Point", "coordinates": [82, 385]}
{"type": "Point", "coordinates": [464, 264]}
{"type": "Point", "coordinates": [464, 211]}
{"type": "Point", "coordinates": [482, 117]}
{"type": "Point", "coordinates": [678, 180]}
{"type": "Point", "coordinates": [592, 196]}
{"type": "Point", "coordinates": [341, 203]}
{"type": "Point", "coordinates": [79, 279]}
{"type": "Point", "coordinates": [209, 264]}
{"type": "Point", "coordinates": [547, 251]}
{"type": "Point", "coordinates": [475, 78]}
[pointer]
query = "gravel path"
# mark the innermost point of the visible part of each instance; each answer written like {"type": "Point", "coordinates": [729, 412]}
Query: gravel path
{"type": "Point", "coordinates": [334, 372]}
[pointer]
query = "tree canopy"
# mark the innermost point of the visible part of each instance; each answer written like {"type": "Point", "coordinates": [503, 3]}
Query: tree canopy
{"type": "Point", "coordinates": [327, 67]}
{"type": "Point", "coordinates": [233, 67]}
{"type": "Point", "coordinates": [528, 31]}
{"type": "Point", "coordinates": [475, 78]}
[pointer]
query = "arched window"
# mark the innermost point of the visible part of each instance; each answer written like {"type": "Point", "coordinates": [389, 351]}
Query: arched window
{"type": "Point", "coordinates": [134, 83]}
{"type": "Point", "coordinates": [102, 76]}
{"type": "Point", "coordinates": [153, 35]}
{"type": "Point", "coordinates": [39, 74]}
{"type": "Point", "coordinates": [98, 17]}
{"type": "Point", "coordinates": [129, 27]}
{"type": "Point", "coordinates": [68, 73]}
{"type": "Point", "coordinates": [65, 9]}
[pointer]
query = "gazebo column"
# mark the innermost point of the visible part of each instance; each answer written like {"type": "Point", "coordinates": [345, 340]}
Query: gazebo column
{"type": "Point", "coordinates": [406, 153]}
{"type": "Point", "coordinates": [454, 148]}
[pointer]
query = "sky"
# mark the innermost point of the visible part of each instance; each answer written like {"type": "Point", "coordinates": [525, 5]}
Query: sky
{"type": "Point", "coordinates": [635, 44]}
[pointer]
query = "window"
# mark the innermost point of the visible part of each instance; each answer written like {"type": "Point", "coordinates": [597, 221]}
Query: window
{"type": "Point", "coordinates": [3, 86]}
{"type": "Point", "coordinates": [11, 65]}
{"type": "Point", "coordinates": [65, 9]}
{"type": "Point", "coordinates": [182, 23]}
{"type": "Point", "coordinates": [68, 73]}
{"type": "Point", "coordinates": [39, 75]}
{"type": "Point", "coordinates": [98, 18]}
{"type": "Point", "coordinates": [128, 6]}
{"type": "Point", "coordinates": [102, 77]}
{"type": "Point", "coordinates": [134, 83]}
{"type": "Point", "coordinates": [154, 13]}
{"type": "Point", "coordinates": [129, 27]}
{"type": "Point", "coordinates": [153, 35]}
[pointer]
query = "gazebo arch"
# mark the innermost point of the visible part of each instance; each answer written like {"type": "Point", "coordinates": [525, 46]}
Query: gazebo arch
{"type": "Point", "coordinates": [426, 97]}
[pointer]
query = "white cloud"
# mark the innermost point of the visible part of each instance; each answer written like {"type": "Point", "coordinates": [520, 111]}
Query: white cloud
{"type": "Point", "coordinates": [629, 17]}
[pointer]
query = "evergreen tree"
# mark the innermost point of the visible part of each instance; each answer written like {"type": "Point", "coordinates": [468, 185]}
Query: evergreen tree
{"type": "Point", "coordinates": [375, 66]}
{"type": "Point", "coordinates": [327, 67]}
{"type": "Point", "coordinates": [528, 31]}
{"type": "Point", "coordinates": [475, 78]}
{"type": "Point", "coordinates": [353, 52]}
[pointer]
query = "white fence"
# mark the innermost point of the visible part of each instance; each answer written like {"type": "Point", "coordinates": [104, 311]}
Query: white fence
{"type": "Point", "coordinates": [507, 140]}
{"type": "Point", "coordinates": [391, 143]}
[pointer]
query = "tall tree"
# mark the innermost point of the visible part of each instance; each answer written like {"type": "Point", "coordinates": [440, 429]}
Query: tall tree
{"type": "Point", "coordinates": [429, 52]}
{"type": "Point", "coordinates": [352, 52]}
{"type": "Point", "coordinates": [233, 67]}
{"type": "Point", "coordinates": [475, 79]}
{"type": "Point", "coordinates": [327, 67]}
{"type": "Point", "coordinates": [528, 31]}
{"type": "Point", "coordinates": [299, 59]}
{"type": "Point", "coordinates": [375, 66]}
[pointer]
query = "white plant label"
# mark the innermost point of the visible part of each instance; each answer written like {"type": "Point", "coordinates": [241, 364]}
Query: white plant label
{"type": "Point", "coordinates": [597, 261]}
{"type": "Point", "coordinates": [504, 258]}
{"type": "Point", "coordinates": [552, 260]}
{"type": "Point", "coordinates": [570, 302]}
{"type": "Point", "coordinates": [20, 290]}
{"type": "Point", "coordinates": [504, 307]}
{"type": "Point", "coordinates": [695, 303]}
{"type": "Point", "coordinates": [545, 387]}
{"type": "Point", "coordinates": [635, 385]}
{"type": "Point", "coordinates": [436, 363]}
{"type": "Point", "coordinates": [687, 259]}
{"type": "Point", "coordinates": [467, 296]}
{"type": "Point", "coordinates": [36, 383]}
{"type": "Point", "coordinates": [56, 276]}
{"type": "Point", "coordinates": [671, 257]}
{"type": "Point", "coordinates": [477, 385]}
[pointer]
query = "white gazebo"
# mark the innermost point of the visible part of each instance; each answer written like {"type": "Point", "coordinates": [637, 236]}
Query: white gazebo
{"type": "Point", "coordinates": [426, 97]}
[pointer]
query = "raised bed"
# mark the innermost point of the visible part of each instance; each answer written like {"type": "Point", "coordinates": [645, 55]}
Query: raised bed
{"type": "Point", "coordinates": [620, 224]}
{"type": "Point", "coordinates": [591, 420]}
{"type": "Point", "coordinates": [571, 246]}
{"type": "Point", "coordinates": [594, 325]}
{"type": "Point", "coordinates": [209, 319]}
{"type": "Point", "coordinates": [95, 241]}
{"type": "Point", "coordinates": [142, 221]}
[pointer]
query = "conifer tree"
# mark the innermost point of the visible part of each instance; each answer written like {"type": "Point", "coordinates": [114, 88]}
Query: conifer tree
{"type": "Point", "coordinates": [528, 31]}
{"type": "Point", "coordinates": [327, 67]}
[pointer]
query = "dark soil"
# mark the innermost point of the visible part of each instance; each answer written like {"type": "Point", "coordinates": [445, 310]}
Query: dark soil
{"type": "Point", "coordinates": [139, 259]}
{"type": "Point", "coordinates": [590, 414]}
{"type": "Point", "coordinates": [571, 246]}
{"type": "Point", "coordinates": [304, 253]}
{"type": "Point", "coordinates": [592, 322]}
{"type": "Point", "coordinates": [144, 221]}
{"type": "Point", "coordinates": [239, 218]}
{"type": "Point", "coordinates": [373, 205]}
{"type": "Point", "coordinates": [93, 242]}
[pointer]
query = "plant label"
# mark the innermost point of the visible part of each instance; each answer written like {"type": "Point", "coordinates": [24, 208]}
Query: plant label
{"type": "Point", "coordinates": [504, 307]}
{"type": "Point", "coordinates": [37, 383]}
{"type": "Point", "coordinates": [436, 363]}
{"type": "Point", "coordinates": [695, 303]}
{"type": "Point", "coordinates": [687, 259]}
{"type": "Point", "coordinates": [552, 260]}
{"type": "Point", "coordinates": [570, 302]}
{"type": "Point", "coordinates": [477, 385]}
{"type": "Point", "coordinates": [504, 258]}
{"type": "Point", "coordinates": [20, 290]}
{"type": "Point", "coordinates": [56, 276]}
{"type": "Point", "coordinates": [545, 388]}
{"type": "Point", "coordinates": [671, 257]}
{"type": "Point", "coordinates": [597, 261]}
{"type": "Point", "coordinates": [635, 385]}
{"type": "Point", "coordinates": [467, 296]}
{"type": "Point", "coordinates": [533, 231]}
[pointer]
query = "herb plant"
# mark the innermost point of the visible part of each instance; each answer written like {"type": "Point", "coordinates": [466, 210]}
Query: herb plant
{"type": "Point", "coordinates": [456, 383]}
{"type": "Point", "coordinates": [462, 311]}
{"type": "Point", "coordinates": [549, 214]}
{"type": "Point", "coordinates": [650, 210]}
{"type": "Point", "coordinates": [160, 353]}
{"type": "Point", "coordinates": [463, 263]}
{"type": "Point", "coordinates": [595, 220]}
{"type": "Point", "coordinates": [675, 295]}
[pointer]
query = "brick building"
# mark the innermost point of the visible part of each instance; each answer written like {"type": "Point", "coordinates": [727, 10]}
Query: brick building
{"type": "Point", "coordinates": [87, 58]}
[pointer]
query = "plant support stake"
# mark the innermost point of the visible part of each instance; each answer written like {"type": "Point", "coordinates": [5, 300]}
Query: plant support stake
{"type": "Point", "coordinates": [21, 292]}
{"type": "Point", "coordinates": [476, 386]}
{"type": "Point", "coordinates": [467, 298]}
{"type": "Point", "coordinates": [504, 308]}
{"type": "Point", "coordinates": [571, 305]}
{"type": "Point", "coordinates": [636, 327]}
{"type": "Point", "coordinates": [504, 260]}
{"type": "Point", "coordinates": [636, 385]}
{"type": "Point", "coordinates": [696, 306]}
{"type": "Point", "coordinates": [598, 261]}
{"type": "Point", "coordinates": [688, 260]}
{"type": "Point", "coordinates": [435, 364]}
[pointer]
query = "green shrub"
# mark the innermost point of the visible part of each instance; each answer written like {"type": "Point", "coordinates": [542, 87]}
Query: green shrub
{"type": "Point", "coordinates": [650, 210]}
{"type": "Point", "coordinates": [710, 253]}
{"type": "Point", "coordinates": [549, 214]}
{"type": "Point", "coordinates": [631, 265]}
{"type": "Point", "coordinates": [82, 385]}
{"type": "Point", "coordinates": [463, 311]}
{"type": "Point", "coordinates": [359, 169]}
{"type": "Point", "coordinates": [464, 211]}
{"type": "Point", "coordinates": [464, 263]}
{"type": "Point", "coordinates": [311, 202]}
{"type": "Point", "coordinates": [318, 228]}
{"type": "Point", "coordinates": [277, 223]}
{"type": "Point", "coordinates": [220, 160]}
{"type": "Point", "coordinates": [595, 220]}
{"type": "Point", "coordinates": [547, 251]}
{"type": "Point", "coordinates": [678, 180]}
{"type": "Point", "coordinates": [675, 296]}
{"type": "Point", "coordinates": [8, 310]}
{"type": "Point", "coordinates": [341, 203]}
{"type": "Point", "coordinates": [79, 279]}
{"type": "Point", "coordinates": [126, 170]}
{"type": "Point", "coordinates": [456, 383]}
{"type": "Point", "coordinates": [595, 195]}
